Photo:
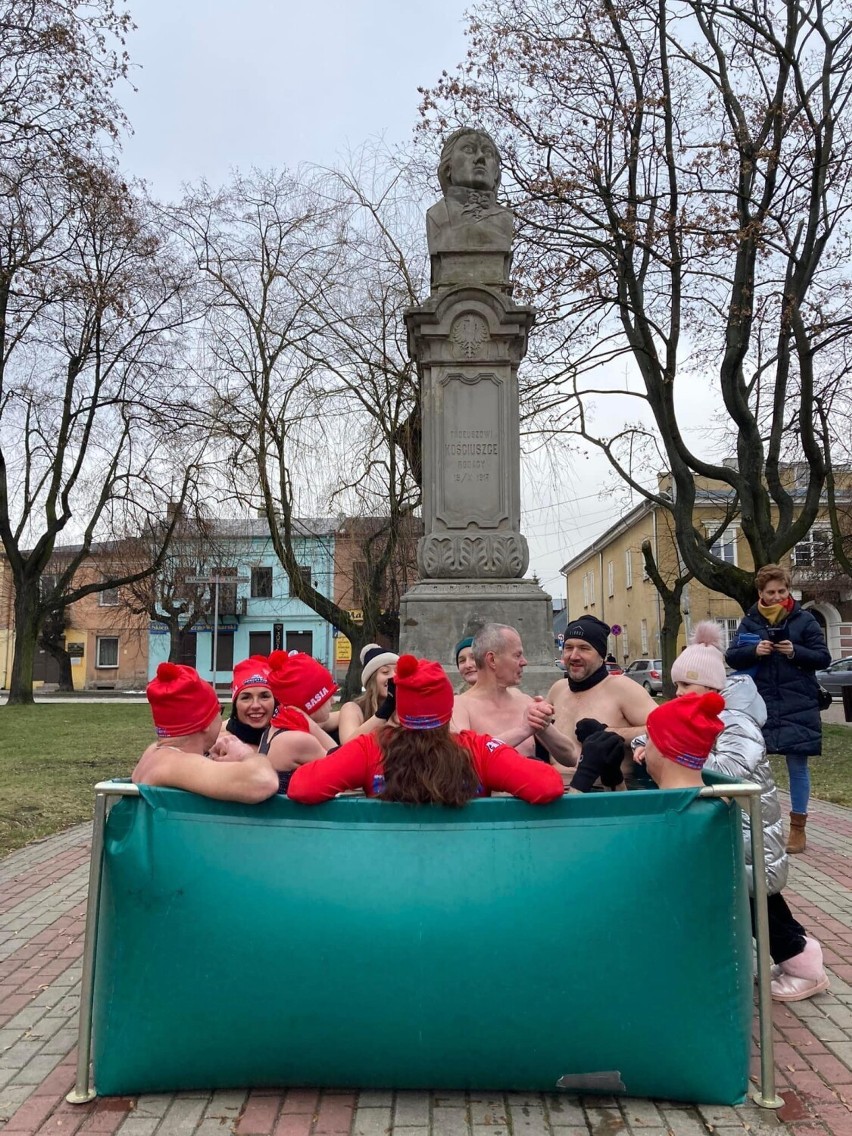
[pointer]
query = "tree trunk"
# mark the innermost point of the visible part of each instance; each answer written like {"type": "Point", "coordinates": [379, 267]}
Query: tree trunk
{"type": "Point", "coordinates": [66, 680]}
{"type": "Point", "coordinates": [672, 620]}
{"type": "Point", "coordinates": [27, 627]}
{"type": "Point", "coordinates": [175, 645]}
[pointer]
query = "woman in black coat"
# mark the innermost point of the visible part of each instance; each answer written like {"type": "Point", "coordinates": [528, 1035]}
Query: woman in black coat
{"type": "Point", "coordinates": [781, 646]}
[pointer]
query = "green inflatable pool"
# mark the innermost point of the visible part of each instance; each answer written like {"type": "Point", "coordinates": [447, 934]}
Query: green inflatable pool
{"type": "Point", "coordinates": [601, 943]}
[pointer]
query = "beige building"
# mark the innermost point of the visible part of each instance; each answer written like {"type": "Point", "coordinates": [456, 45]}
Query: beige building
{"type": "Point", "coordinates": [107, 643]}
{"type": "Point", "coordinates": [608, 579]}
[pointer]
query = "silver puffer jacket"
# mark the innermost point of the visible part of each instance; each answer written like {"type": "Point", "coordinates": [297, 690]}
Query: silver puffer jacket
{"type": "Point", "coordinates": [740, 752]}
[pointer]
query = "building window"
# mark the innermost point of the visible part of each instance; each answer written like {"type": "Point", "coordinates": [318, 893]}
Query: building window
{"type": "Point", "coordinates": [728, 627]}
{"type": "Point", "coordinates": [725, 547]}
{"type": "Point", "coordinates": [625, 643]}
{"type": "Point", "coordinates": [645, 575]}
{"type": "Point", "coordinates": [814, 551]}
{"type": "Point", "coordinates": [628, 569]}
{"type": "Point", "coordinates": [610, 579]}
{"type": "Point", "coordinates": [47, 585]}
{"type": "Point", "coordinates": [224, 652]}
{"type": "Point", "coordinates": [643, 635]}
{"type": "Point", "coordinates": [108, 597]}
{"type": "Point", "coordinates": [107, 651]}
{"type": "Point", "coordinates": [307, 576]}
{"type": "Point", "coordinates": [261, 583]}
{"type": "Point", "coordinates": [592, 589]}
{"type": "Point", "coordinates": [585, 589]}
{"type": "Point", "coordinates": [359, 582]}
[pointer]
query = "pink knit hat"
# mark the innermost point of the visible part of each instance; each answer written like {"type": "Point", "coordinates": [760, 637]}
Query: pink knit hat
{"type": "Point", "coordinates": [702, 662]}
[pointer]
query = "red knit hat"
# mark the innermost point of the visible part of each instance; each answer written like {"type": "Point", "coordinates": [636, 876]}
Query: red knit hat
{"type": "Point", "coordinates": [298, 680]}
{"type": "Point", "coordinates": [685, 729]}
{"type": "Point", "coordinates": [253, 671]}
{"type": "Point", "coordinates": [181, 701]}
{"type": "Point", "coordinates": [424, 694]}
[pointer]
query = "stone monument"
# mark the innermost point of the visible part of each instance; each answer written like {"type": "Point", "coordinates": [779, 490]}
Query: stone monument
{"type": "Point", "coordinates": [467, 339]}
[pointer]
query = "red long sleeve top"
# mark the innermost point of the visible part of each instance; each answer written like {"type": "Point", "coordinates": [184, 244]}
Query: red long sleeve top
{"type": "Point", "coordinates": [358, 765]}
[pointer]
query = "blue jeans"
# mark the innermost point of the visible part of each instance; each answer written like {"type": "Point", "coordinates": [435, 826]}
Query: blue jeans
{"type": "Point", "coordinates": [800, 783]}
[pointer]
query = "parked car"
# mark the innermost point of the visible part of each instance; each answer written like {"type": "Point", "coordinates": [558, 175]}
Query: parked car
{"type": "Point", "coordinates": [836, 675]}
{"type": "Point", "coordinates": [614, 669]}
{"type": "Point", "coordinates": [648, 673]}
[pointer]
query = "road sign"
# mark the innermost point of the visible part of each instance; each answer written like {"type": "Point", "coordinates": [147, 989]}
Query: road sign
{"type": "Point", "coordinates": [615, 629]}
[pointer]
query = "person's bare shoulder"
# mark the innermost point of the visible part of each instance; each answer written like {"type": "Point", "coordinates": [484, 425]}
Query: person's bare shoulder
{"type": "Point", "coordinates": [634, 701]}
{"type": "Point", "coordinates": [519, 695]}
{"type": "Point", "coordinates": [558, 691]}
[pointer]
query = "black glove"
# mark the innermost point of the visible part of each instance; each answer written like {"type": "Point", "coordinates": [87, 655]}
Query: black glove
{"type": "Point", "coordinates": [601, 757]}
{"type": "Point", "coordinates": [389, 705]}
{"type": "Point", "coordinates": [586, 727]}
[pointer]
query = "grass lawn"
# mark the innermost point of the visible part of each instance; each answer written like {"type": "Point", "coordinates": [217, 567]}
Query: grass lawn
{"type": "Point", "coordinates": [831, 774]}
{"type": "Point", "coordinates": [52, 756]}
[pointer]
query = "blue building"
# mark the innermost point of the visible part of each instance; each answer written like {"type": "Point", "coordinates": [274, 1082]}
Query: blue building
{"type": "Point", "coordinates": [256, 612]}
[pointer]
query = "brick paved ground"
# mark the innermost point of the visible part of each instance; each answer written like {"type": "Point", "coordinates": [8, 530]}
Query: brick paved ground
{"type": "Point", "coordinates": [42, 905]}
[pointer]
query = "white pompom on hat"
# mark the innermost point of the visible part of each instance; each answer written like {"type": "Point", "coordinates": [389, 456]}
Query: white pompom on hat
{"type": "Point", "coordinates": [702, 662]}
{"type": "Point", "coordinates": [373, 656]}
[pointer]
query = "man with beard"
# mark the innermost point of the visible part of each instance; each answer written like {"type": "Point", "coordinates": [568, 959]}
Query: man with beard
{"type": "Point", "coordinates": [590, 693]}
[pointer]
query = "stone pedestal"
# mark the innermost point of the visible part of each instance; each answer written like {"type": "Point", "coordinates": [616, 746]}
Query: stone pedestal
{"type": "Point", "coordinates": [435, 614]}
{"type": "Point", "coordinates": [468, 342]}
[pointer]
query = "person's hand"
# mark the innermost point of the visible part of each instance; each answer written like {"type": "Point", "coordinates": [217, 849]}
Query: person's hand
{"type": "Point", "coordinates": [639, 755]}
{"type": "Point", "coordinates": [601, 758]}
{"type": "Point", "coordinates": [539, 714]}
{"type": "Point", "coordinates": [385, 711]}
{"type": "Point", "coordinates": [230, 748]}
{"type": "Point", "coordinates": [764, 647]}
{"type": "Point", "coordinates": [785, 647]}
{"type": "Point", "coordinates": [586, 727]}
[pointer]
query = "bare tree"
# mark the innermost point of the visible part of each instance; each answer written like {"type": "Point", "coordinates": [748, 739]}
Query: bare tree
{"type": "Point", "coordinates": [304, 361]}
{"type": "Point", "coordinates": [681, 175]}
{"type": "Point", "coordinates": [59, 64]}
{"type": "Point", "coordinates": [91, 299]}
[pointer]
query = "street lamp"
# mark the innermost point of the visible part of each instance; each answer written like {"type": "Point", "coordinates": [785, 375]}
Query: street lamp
{"type": "Point", "coordinates": [216, 581]}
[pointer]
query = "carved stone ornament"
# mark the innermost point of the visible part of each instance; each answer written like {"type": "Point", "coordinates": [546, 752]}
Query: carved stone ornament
{"type": "Point", "coordinates": [485, 556]}
{"type": "Point", "coordinates": [467, 335]}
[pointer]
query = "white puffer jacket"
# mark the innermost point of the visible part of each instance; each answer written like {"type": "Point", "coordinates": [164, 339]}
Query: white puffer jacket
{"type": "Point", "coordinates": [741, 752]}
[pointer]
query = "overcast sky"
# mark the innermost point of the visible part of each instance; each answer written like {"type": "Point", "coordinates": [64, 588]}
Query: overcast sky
{"type": "Point", "coordinates": [241, 83]}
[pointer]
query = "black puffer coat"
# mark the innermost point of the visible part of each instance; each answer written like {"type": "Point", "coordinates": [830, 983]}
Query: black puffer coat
{"type": "Point", "coordinates": [787, 686]}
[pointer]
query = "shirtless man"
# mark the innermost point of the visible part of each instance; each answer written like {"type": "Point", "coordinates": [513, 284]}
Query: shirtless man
{"type": "Point", "coordinates": [589, 692]}
{"type": "Point", "coordinates": [494, 705]}
{"type": "Point", "coordinates": [189, 753]}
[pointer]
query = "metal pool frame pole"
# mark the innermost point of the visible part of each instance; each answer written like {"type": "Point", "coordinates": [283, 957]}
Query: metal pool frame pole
{"type": "Point", "coordinates": [84, 1090]}
{"type": "Point", "coordinates": [765, 1095]}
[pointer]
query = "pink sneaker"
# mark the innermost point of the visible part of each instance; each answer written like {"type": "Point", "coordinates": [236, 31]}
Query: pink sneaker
{"type": "Point", "coordinates": [801, 976]}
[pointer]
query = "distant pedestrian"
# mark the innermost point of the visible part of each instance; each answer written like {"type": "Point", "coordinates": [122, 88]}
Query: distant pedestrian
{"type": "Point", "coordinates": [783, 645]}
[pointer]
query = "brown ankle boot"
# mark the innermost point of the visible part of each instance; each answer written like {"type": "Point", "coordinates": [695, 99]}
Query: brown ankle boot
{"type": "Point", "coordinates": [797, 842]}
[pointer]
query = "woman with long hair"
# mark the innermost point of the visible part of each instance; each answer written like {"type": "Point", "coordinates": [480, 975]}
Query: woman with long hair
{"type": "Point", "coordinates": [370, 712]}
{"type": "Point", "coordinates": [253, 702]}
{"type": "Point", "coordinates": [419, 761]}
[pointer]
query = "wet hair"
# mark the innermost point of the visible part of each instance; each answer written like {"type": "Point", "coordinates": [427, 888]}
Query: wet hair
{"type": "Point", "coordinates": [772, 572]}
{"type": "Point", "coordinates": [426, 767]}
{"type": "Point", "coordinates": [490, 637]}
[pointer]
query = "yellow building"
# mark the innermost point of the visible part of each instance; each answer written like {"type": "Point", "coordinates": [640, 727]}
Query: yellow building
{"type": "Point", "coordinates": [608, 579]}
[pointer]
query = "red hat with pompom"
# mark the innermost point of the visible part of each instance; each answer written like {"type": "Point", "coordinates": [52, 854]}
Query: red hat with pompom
{"type": "Point", "coordinates": [181, 701]}
{"type": "Point", "coordinates": [685, 729]}
{"type": "Point", "coordinates": [299, 680]}
{"type": "Point", "coordinates": [253, 671]}
{"type": "Point", "coordinates": [424, 694]}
